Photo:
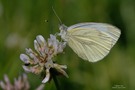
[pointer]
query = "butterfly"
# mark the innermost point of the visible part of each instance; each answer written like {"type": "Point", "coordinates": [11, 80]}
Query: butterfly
{"type": "Point", "coordinates": [90, 41]}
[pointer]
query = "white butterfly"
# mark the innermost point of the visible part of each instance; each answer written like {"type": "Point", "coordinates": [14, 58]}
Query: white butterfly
{"type": "Point", "coordinates": [90, 41]}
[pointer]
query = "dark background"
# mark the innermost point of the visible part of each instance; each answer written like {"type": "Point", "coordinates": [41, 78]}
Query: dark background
{"type": "Point", "coordinates": [22, 20]}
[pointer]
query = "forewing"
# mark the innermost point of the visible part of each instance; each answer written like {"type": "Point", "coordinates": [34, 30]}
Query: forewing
{"type": "Point", "coordinates": [92, 41]}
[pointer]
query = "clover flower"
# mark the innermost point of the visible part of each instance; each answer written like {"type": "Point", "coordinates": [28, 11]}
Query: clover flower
{"type": "Point", "coordinates": [19, 84]}
{"type": "Point", "coordinates": [41, 61]}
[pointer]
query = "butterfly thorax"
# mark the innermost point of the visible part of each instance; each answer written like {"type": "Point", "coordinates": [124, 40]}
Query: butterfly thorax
{"type": "Point", "coordinates": [63, 31]}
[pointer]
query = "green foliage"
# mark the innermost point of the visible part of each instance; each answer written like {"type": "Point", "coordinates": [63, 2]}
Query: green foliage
{"type": "Point", "coordinates": [22, 20]}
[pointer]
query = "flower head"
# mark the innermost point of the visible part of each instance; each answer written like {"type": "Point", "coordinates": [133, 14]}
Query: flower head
{"type": "Point", "coordinates": [21, 83]}
{"type": "Point", "coordinates": [41, 61]}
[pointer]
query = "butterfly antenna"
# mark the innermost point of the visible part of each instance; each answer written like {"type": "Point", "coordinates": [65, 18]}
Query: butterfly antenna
{"type": "Point", "coordinates": [57, 15]}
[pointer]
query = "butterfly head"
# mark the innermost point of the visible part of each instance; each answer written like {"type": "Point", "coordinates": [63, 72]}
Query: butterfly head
{"type": "Point", "coordinates": [63, 31]}
{"type": "Point", "coordinates": [63, 27]}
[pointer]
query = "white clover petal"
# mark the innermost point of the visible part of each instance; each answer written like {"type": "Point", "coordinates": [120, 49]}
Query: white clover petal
{"type": "Point", "coordinates": [35, 59]}
{"type": "Point", "coordinates": [43, 52]}
{"type": "Point", "coordinates": [54, 42]}
{"type": "Point", "coordinates": [27, 69]}
{"type": "Point", "coordinates": [6, 79]}
{"type": "Point", "coordinates": [15, 82]}
{"type": "Point", "coordinates": [46, 50]}
{"type": "Point", "coordinates": [28, 51]}
{"type": "Point", "coordinates": [24, 58]}
{"type": "Point", "coordinates": [63, 66]}
{"type": "Point", "coordinates": [32, 55]}
{"type": "Point", "coordinates": [24, 77]}
{"type": "Point", "coordinates": [60, 69]}
{"type": "Point", "coordinates": [49, 64]}
{"type": "Point", "coordinates": [36, 46]}
{"type": "Point", "coordinates": [63, 72]}
{"type": "Point", "coordinates": [60, 66]}
{"type": "Point", "coordinates": [19, 79]}
{"type": "Point", "coordinates": [40, 39]}
{"type": "Point", "coordinates": [40, 87]}
{"type": "Point", "coordinates": [40, 49]}
{"type": "Point", "coordinates": [49, 42]}
{"type": "Point", "coordinates": [52, 37]}
{"type": "Point", "coordinates": [8, 84]}
{"type": "Point", "coordinates": [18, 83]}
{"type": "Point", "coordinates": [61, 46]}
{"type": "Point", "coordinates": [2, 85]}
{"type": "Point", "coordinates": [46, 79]}
{"type": "Point", "coordinates": [55, 46]}
{"type": "Point", "coordinates": [26, 82]}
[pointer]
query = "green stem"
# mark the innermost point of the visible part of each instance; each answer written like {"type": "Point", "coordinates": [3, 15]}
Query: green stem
{"type": "Point", "coordinates": [55, 80]}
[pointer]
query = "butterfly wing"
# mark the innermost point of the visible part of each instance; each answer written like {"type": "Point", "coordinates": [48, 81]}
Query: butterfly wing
{"type": "Point", "coordinates": [92, 41]}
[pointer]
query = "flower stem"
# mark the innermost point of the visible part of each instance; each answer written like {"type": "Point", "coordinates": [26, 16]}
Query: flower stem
{"type": "Point", "coordinates": [55, 80]}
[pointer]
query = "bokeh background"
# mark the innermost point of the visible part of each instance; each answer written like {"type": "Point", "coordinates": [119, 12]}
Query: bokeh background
{"type": "Point", "coordinates": [22, 20]}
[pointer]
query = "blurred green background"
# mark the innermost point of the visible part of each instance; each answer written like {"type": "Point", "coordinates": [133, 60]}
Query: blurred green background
{"type": "Point", "coordinates": [22, 20]}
